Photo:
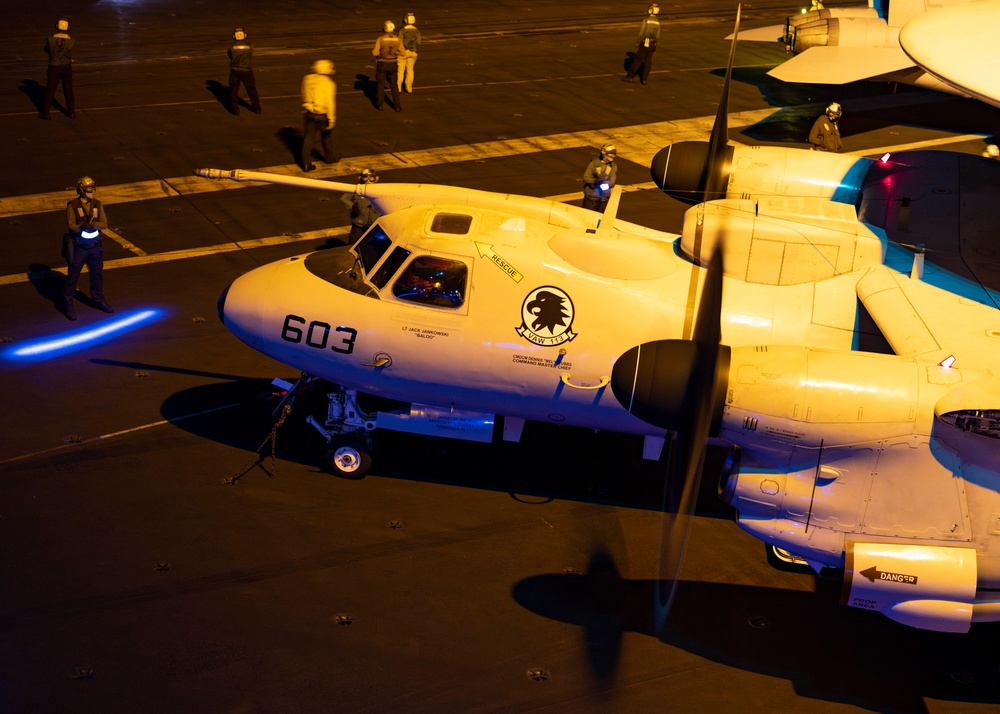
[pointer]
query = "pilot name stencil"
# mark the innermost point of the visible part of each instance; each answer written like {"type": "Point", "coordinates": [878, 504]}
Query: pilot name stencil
{"type": "Point", "coordinates": [547, 317]}
{"type": "Point", "coordinates": [424, 332]}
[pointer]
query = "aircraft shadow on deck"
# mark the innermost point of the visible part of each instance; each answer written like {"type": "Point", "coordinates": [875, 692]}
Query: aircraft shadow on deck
{"type": "Point", "coordinates": [550, 461]}
{"type": "Point", "coordinates": [827, 651]}
{"type": "Point", "coordinates": [876, 105]}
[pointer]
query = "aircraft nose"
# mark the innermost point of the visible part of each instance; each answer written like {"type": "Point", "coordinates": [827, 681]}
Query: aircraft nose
{"type": "Point", "coordinates": [680, 170]}
{"type": "Point", "coordinates": [241, 305]}
{"type": "Point", "coordinates": [220, 306]}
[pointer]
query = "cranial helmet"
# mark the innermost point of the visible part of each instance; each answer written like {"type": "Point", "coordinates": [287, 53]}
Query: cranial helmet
{"type": "Point", "coordinates": [368, 176]}
{"type": "Point", "coordinates": [834, 111]}
{"type": "Point", "coordinates": [322, 67]}
{"type": "Point", "coordinates": [389, 26]}
{"type": "Point", "coordinates": [62, 24]}
{"type": "Point", "coordinates": [410, 19]}
{"type": "Point", "coordinates": [608, 151]}
{"type": "Point", "coordinates": [239, 34]}
{"type": "Point", "coordinates": [85, 185]}
{"type": "Point", "coordinates": [653, 9]}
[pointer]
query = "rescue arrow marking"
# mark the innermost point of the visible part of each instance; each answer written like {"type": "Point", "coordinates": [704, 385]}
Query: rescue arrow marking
{"type": "Point", "coordinates": [486, 251]}
{"type": "Point", "coordinates": [873, 574]}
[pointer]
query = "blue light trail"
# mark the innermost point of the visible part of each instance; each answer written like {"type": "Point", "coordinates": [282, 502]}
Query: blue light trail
{"type": "Point", "coordinates": [50, 346]}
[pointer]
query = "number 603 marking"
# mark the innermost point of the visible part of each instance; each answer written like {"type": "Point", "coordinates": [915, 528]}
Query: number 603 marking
{"type": "Point", "coordinates": [317, 334]}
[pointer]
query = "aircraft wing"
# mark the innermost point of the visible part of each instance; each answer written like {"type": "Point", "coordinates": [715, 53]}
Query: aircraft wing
{"type": "Point", "coordinates": [921, 320]}
{"type": "Point", "coordinates": [958, 45]}
{"type": "Point", "coordinates": [840, 65]}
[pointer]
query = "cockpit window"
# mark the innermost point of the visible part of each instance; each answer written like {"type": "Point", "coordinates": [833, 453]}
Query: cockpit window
{"type": "Point", "coordinates": [390, 266]}
{"type": "Point", "coordinates": [372, 247]}
{"type": "Point", "coordinates": [432, 281]}
{"type": "Point", "coordinates": [454, 223]}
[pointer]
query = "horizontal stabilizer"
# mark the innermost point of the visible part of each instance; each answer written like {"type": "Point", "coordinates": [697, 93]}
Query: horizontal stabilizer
{"type": "Point", "coordinates": [771, 33]}
{"type": "Point", "coordinates": [840, 65]}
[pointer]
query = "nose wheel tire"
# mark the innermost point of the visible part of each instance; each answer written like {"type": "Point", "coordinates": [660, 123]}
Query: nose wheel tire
{"type": "Point", "coordinates": [348, 457]}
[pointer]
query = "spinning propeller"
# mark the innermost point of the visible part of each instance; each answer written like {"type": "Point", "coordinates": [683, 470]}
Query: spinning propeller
{"type": "Point", "coordinates": [696, 171]}
{"type": "Point", "coordinates": [679, 385]}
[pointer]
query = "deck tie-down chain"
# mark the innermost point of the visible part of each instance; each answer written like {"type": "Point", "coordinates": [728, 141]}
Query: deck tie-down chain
{"type": "Point", "coordinates": [257, 457]}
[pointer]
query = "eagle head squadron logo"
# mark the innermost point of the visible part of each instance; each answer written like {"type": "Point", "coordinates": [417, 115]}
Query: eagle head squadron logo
{"type": "Point", "coordinates": [546, 317]}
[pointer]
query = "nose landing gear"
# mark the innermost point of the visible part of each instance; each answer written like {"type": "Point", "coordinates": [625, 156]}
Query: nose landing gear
{"type": "Point", "coordinates": [348, 456]}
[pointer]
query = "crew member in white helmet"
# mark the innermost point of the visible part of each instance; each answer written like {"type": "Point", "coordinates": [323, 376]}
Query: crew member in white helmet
{"type": "Point", "coordinates": [85, 219]}
{"type": "Point", "coordinates": [363, 212]}
{"type": "Point", "coordinates": [649, 35]}
{"type": "Point", "coordinates": [409, 36]}
{"type": "Point", "coordinates": [387, 52]}
{"type": "Point", "coordinates": [319, 112]}
{"type": "Point", "coordinates": [825, 134]}
{"type": "Point", "coordinates": [599, 178]}
{"type": "Point", "coordinates": [59, 48]}
{"type": "Point", "coordinates": [241, 72]}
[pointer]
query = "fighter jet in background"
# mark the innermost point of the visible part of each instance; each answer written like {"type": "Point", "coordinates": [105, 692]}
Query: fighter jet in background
{"type": "Point", "coordinates": [845, 44]}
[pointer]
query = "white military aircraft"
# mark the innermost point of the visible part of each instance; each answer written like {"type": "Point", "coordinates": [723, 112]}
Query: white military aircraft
{"type": "Point", "coordinates": [844, 44]}
{"type": "Point", "coordinates": [467, 305]}
{"type": "Point", "coordinates": [519, 304]}
{"type": "Point", "coordinates": [957, 45]}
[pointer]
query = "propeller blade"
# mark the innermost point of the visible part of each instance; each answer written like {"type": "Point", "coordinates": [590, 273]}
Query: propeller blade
{"type": "Point", "coordinates": [696, 171]}
{"type": "Point", "coordinates": [679, 385]}
{"type": "Point", "coordinates": [715, 188]}
{"type": "Point", "coordinates": [704, 409]}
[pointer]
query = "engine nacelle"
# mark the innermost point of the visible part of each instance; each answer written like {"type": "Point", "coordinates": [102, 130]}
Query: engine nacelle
{"type": "Point", "coordinates": [681, 170]}
{"type": "Point", "coordinates": [923, 586]}
{"type": "Point", "coordinates": [780, 241]}
{"type": "Point", "coordinates": [763, 171]}
{"type": "Point", "coordinates": [843, 32]}
{"type": "Point", "coordinates": [801, 396]}
{"type": "Point", "coordinates": [794, 22]}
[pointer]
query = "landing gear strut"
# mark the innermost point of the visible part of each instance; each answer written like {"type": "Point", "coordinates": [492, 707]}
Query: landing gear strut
{"type": "Point", "coordinates": [347, 433]}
